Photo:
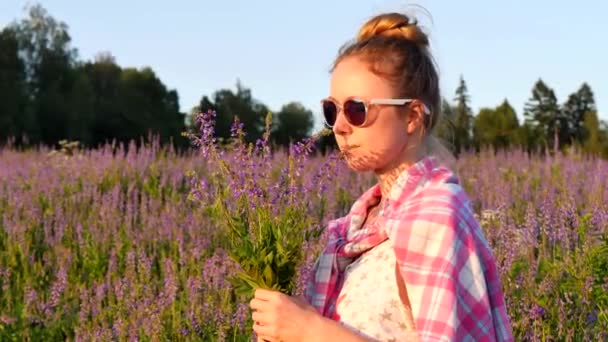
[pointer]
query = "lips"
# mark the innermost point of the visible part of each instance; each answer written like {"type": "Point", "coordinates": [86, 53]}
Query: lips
{"type": "Point", "coordinates": [347, 150]}
{"type": "Point", "coordinates": [348, 147]}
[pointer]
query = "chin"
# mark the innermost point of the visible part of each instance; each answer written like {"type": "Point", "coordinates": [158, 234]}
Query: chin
{"type": "Point", "coordinates": [358, 168]}
{"type": "Point", "coordinates": [360, 165]}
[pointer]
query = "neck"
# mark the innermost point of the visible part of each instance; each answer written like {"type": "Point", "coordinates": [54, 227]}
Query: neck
{"type": "Point", "coordinates": [388, 178]}
{"type": "Point", "coordinates": [389, 174]}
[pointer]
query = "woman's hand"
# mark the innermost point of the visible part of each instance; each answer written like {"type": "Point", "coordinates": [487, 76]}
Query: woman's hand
{"type": "Point", "coordinates": [279, 317]}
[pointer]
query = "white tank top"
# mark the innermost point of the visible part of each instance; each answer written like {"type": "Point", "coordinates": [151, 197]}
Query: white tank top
{"type": "Point", "coordinates": [369, 302]}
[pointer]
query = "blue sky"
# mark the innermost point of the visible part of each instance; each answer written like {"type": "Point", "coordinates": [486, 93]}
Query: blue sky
{"type": "Point", "coordinates": [282, 49]}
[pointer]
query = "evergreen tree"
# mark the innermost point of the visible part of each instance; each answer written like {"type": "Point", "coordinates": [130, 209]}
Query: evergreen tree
{"type": "Point", "coordinates": [463, 118]}
{"type": "Point", "coordinates": [544, 116]}
{"type": "Point", "coordinates": [576, 107]}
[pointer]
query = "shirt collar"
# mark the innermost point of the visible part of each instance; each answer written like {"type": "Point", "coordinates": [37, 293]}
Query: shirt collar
{"type": "Point", "coordinates": [411, 179]}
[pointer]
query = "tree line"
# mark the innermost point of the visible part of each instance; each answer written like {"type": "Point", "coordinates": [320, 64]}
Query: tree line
{"type": "Point", "coordinates": [49, 95]}
{"type": "Point", "coordinates": [547, 125]}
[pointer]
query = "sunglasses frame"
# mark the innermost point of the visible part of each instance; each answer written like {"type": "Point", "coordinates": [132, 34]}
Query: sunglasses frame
{"type": "Point", "coordinates": [367, 104]}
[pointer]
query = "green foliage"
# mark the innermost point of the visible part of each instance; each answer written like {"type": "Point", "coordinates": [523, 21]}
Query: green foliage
{"type": "Point", "coordinates": [266, 245]}
{"type": "Point", "coordinates": [576, 108]}
{"type": "Point", "coordinates": [496, 127]}
{"type": "Point", "coordinates": [228, 104]}
{"type": "Point", "coordinates": [445, 129]}
{"type": "Point", "coordinates": [294, 123]}
{"type": "Point", "coordinates": [463, 118]}
{"type": "Point", "coordinates": [141, 262]}
{"type": "Point", "coordinates": [12, 86]}
{"type": "Point", "coordinates": [96, 101]}
{"type": "Point", "coordinates": [543, 113]}
{"type": "Point", "coordinates": [268, 250]}
{"type": "Point", "coordinates": [88, 102]}
{"type": "Point", "coordinates": [591, 135]}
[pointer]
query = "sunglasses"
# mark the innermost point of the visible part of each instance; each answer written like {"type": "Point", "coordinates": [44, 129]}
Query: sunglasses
{"type": "Point", "coordinates": [356, 110]}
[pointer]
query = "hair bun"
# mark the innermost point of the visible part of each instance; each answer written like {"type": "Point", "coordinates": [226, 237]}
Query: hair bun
{"type": "Point", "coordinates": [394, 25]}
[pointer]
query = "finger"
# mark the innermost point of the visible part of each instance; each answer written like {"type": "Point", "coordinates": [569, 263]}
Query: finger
{"type": "Point", "coordinates": [266, 339]}
{"type": "Point", "coordinates": [260, 318]}
{"type": "Point", "coordinates": [258, 304]}
{"type": "Point", "coordinates": [266, 332]}
{"type": "Point", "coordinates": [265, 295]}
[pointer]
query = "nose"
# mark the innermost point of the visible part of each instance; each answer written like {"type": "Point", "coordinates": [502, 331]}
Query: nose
{"type": "Point", "coordinates": [341, 126]}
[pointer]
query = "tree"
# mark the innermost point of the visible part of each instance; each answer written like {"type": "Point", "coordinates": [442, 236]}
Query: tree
{"type": "Point", "coordinates": [496, 126]}
{"type": "Point", "coordinates": [463, 118]}
{"type": "Point", "coordinates": [578, 105]}
{"type": "Point", "coordinates": [12, 87]}
{"type": "Point", "coordinates": [292, 123]}
{"type": "Point", "coordinates": [58, 100]}
{"type": "Point", "coordinates": [241, 103]}
{"type": "Point", "coordinates": [191, 117]}
{"type": "Point", "coordinates": [484, 132]}
{"type": "Point", "coordinates": [592, 137]}
{"type": "Point", "coordinates": [604, 138]}
{"type": "Point", "coordinates": [39, 33]}
{"type": "Point", "coordinates": [509, 124]}
{"type": "Point", "coordinates": [132, 103]}
{"type": "Point", "coordinates": [527, 137]}
{"type": "Point", "coordinates": [147, 106]}
{"type": "Point", "coordinates": [543, 115]}
{"type": "Point", "coordinates": [108, 121]}
{"type": "Point", "coordinates": [445, 127]}
{"type": "Point", "coordinates": [53, 96]}
{"type": "Point", "coordinates": [326, 144]}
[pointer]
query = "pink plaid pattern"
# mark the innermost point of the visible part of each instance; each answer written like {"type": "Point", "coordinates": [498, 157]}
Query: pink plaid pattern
{"type": "Point", "coordinates": [451, 276]}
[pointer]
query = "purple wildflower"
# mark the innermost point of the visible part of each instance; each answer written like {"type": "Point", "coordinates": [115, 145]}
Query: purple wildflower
{"type": "Point", "coordinates": [537, 312]}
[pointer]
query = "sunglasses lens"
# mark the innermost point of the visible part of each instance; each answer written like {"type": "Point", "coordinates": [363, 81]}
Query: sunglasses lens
{"type": "Point", "coordinates": [355, 112]}
{"type": "Point", "coordinates": [330, 111]}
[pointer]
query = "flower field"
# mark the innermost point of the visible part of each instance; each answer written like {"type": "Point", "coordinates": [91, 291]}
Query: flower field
{"type": "Point", "coordinates": [109, 244]}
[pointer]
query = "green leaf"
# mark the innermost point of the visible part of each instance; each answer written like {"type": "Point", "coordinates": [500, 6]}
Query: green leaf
{"type": "Point", "coordinates": [269, 259]}
{"type": "Point", "coordinates": [268, 274]}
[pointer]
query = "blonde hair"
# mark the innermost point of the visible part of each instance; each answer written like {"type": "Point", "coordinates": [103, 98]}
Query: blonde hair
{"type": "Point", "coordinates": [396, 48]}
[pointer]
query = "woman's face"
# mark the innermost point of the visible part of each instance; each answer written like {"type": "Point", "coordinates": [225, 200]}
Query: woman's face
{"type": "Point", "coordinates": [384, 138]}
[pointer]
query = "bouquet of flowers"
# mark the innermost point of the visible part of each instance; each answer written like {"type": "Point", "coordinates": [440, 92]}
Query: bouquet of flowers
{"type": "Point", "coordinates": [241, 194]}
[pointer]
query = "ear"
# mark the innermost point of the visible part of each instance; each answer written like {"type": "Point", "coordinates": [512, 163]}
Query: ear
{"type": "Point", "coordinates": [415, 117]}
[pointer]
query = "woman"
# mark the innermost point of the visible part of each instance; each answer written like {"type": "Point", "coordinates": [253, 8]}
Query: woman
{"type": "Point", "coordinates": [409, 261]}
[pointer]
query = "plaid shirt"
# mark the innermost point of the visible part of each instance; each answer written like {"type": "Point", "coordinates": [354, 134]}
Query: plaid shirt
{"type": "Point", "coordinates": [451, 276]}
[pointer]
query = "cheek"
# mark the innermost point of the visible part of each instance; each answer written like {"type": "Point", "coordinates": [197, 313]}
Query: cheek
{"type": "Point", "coordinates": [389, 146]}
{"type": "Point", "coordinates": [387, 139]}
